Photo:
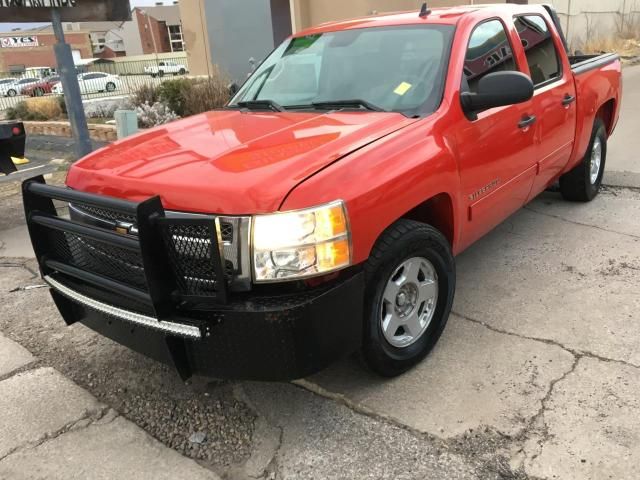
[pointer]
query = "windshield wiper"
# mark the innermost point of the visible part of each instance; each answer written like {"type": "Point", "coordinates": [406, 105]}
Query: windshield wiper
{"type": "Point", "coordinates": [261, 105]}
{"type": "Point", "coordinates": [354, 103]}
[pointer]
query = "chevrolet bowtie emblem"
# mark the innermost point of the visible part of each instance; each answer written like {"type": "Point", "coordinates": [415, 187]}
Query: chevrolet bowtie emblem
{"type": "Point", "coordinates": [125, 228]}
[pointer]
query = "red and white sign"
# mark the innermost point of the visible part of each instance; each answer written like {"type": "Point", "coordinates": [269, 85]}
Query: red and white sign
{"type": "Point", "coordinates": [17, 42]}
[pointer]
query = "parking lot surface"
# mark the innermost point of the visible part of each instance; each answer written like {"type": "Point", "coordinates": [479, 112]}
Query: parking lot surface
{"type": "Point", "coordinates": [536, 376]}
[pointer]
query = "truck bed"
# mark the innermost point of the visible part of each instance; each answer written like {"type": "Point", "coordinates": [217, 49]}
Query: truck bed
{"type": "Point", "coordinates": [584, 63]}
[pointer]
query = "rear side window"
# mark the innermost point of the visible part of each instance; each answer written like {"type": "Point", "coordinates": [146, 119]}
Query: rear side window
{"type": "Point", "coordinates": [489, 51]}
{"type": "Point", "coordinates": [542, 56]}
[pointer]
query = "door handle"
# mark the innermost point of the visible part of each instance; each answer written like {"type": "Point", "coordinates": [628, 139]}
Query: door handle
{"type": "Point", "coordinates": [568, 100]}
{"type": "Point", "coordinates": [527, 121]}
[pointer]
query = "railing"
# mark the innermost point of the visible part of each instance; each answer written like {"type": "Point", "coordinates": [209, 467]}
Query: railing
{"type": "Point", "coordinates": [128, 77]}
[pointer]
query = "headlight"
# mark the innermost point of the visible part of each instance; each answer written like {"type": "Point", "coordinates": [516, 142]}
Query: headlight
{"type": "Point", "coordinates": [304, 243]}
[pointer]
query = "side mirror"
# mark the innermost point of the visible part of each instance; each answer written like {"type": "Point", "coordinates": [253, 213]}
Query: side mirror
{"type": "Point", "coordinates": [496, 90]}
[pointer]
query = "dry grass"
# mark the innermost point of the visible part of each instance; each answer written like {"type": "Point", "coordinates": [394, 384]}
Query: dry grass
{"type": "Point", "coordinates": [623, 40]}
{"type": "Point", "coordinates": [48, 108]}
{"type": "Point", "coordinates": [206, 94]}
{"type": "Point", "coordinates": [629, 47]}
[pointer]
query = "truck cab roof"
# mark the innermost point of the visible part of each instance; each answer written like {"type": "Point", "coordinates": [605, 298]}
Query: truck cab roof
{"type": "Point", "coordinates": [438, 16]}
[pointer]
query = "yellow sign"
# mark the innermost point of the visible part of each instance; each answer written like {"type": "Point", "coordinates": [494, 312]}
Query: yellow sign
{"type": "Point", "coordinates": [403, 88]}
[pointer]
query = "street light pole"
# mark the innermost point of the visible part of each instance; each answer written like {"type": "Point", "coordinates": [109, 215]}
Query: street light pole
{"type": "Point", "coordinates": [71, 88]}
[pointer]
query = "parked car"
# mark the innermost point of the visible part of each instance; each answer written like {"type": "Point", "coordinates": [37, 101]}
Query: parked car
{"type": "Point", "coordinates": [42, 87]}
{"type": "Point", "coordinates": [93, 82]}
{"type": "Point", "coordinates": [163, 68]}
{"type": "Point", "coordinates": [11, 89]}
{"type": "Point", "coordinates": [320, 211]}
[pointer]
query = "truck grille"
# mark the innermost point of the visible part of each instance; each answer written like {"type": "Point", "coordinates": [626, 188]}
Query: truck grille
{"type": "Point", "coordinates": [97, 257]}
{"type": "Point", "coordinates": [188, 250]}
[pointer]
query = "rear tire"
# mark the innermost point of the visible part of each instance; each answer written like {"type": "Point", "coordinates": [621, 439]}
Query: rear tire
{"type": "Point", "coordinates": [12, 93]}
{"type": "Point", "coordinates": [182, 71]}
{"type": "Point", "coordinates": [391, 351]}
{"type": "Point", "coordinates": [582, 184]}
{"type": "Point", "coordinates": [161, 73]}
{"type": "Point", "coordinates": [110, 86]}
{"type": "Point", "coordinates": [38, 92]}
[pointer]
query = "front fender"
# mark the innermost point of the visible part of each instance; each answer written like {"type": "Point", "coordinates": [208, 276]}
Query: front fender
{"type": "Point", "coordinates": [384, 181]}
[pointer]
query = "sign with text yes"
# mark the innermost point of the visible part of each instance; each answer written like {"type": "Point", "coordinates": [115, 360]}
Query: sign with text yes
{"type": "Point", "coordinates": [17, 42]}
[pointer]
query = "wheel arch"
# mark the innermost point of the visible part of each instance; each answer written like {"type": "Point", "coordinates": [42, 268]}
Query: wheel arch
{"type": "Point", "coordinates": [438, 212]}
{"type": "Point", "coordinates": [606, 114]}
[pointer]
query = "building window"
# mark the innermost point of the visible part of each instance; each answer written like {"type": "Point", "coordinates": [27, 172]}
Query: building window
{"type": "Point", "coordinates": [175, 37]}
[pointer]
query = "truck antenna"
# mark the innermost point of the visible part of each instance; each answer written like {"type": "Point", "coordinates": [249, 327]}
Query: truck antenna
{"type": "Point", "coordinates": [424, 11]}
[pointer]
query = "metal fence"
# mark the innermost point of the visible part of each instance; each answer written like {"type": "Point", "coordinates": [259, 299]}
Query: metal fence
{"type": "Point", "coordinates": [117, 78]}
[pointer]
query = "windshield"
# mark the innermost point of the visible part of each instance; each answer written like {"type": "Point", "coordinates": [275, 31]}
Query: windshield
{"type": "Point", "coordinates": [398, 69]}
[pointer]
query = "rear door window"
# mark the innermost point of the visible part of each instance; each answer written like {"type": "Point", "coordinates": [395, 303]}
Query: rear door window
{"type": "Point", "coordinates": [489, 51]}
{"type": "Point", "coordinates": [542, 56]}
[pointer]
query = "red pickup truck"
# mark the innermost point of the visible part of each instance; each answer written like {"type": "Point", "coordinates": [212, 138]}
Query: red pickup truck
{"type": "Point", "coordinates": [319, 212]}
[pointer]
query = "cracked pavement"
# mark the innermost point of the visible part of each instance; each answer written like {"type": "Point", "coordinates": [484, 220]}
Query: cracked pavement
{"type": "Point", "coordinates": [537, 375]}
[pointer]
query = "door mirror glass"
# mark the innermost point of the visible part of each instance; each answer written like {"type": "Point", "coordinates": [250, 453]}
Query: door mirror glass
{"type": "Point", "coordinates": [496, 90]}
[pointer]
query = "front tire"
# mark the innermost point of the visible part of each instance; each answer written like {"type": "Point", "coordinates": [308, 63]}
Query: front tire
{"type": "Point", "coordinates": [110, 87]}
{"type": "Point", "coordinates": [410, 284]}
{"type": "Point", "coordinates": [582, 184]}
{"type": "Point", "coordinates": [12, 93]}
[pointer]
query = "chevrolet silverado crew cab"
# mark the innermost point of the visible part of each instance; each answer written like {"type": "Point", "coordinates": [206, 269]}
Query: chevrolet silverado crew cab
{"type": "Point", "coordinates": [319, 212]}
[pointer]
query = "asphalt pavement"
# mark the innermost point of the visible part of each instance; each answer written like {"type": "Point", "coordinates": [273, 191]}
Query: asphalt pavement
{"type": "Point", "coordinates": [537, 375]}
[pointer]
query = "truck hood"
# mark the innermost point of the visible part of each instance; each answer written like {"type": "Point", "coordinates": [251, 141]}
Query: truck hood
{"type": "Point", "coordinates": [228, 161]}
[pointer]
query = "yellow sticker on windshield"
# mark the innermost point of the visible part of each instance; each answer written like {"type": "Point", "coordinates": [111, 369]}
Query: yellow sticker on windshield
{"type": "Point", "coordinates": [403, 88]}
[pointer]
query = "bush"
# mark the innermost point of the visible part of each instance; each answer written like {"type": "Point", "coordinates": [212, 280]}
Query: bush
{"type": "Point", "coordinates": [36, 109]}
{"type": "Point", "coordinates": [145, 94]}
{"type": "Point", "coordinates": [47, 108]}
{"type": "Point", "coordinates": [185, 96]}
{"type": "Point", "coordinates": [62, 103]}
{"type": "Point", "coordinates": [106, 107]}
{"type": "Point", "coordinates": [172, 93]}
{"type": "Point", "coordinates": [206, 94]}
{"type": "Point", "coordinates": [154, 115]}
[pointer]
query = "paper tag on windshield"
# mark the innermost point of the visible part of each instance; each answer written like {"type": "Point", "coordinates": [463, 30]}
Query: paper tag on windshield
{"type": "Point", "coordinates": [403, 88]}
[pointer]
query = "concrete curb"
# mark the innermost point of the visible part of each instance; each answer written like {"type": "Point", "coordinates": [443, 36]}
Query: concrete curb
{"type": "Point", "coordinates": [53, 428]}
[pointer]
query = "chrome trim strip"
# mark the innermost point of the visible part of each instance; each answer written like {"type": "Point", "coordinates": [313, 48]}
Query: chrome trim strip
{"type": "Point", "coordinates": [137, 318]}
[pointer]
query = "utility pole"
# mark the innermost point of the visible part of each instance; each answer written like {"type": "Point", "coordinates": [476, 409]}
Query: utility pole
{"type": "Point", "coordinates": [72, 95]}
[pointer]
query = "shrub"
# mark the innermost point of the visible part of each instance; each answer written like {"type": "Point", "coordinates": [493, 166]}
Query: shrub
{"type": "Point", "coordinates": [18, 112]}
{"type": "Point", "coordinates": [145, 94]}
{"type": "Point", "coordinates": [206, 94]}
{"type": "Point", "coordinates": [46, 108]}
{"type": "Point", "coordinates": [106, 107]}
{"type": "Point", "coordinates": [36, 109]}
{"type": "Point", "coordinates": [172, 93]}
{"type": "Point", "coordinates": [154, 115]}
{"type": "Point", "coordinates": [62, 103]}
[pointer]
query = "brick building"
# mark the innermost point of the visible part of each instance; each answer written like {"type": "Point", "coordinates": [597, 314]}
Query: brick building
{"type": "Point", "coordinates": [34, 48]}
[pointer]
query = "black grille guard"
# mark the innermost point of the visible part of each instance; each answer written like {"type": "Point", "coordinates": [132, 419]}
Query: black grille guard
{"type": "Point", "coordinates": [165, 301]}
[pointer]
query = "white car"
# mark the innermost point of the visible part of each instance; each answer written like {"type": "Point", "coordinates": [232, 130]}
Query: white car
{"type": "Point", "coordinates": [166, 67]}
{"type": "Point", "coordinates": [93, 82]}
{"type": "Point", "coordinates": [14, 86]}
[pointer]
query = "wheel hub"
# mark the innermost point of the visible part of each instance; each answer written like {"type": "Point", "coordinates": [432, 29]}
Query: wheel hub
{"type": "Point", "coordinates": [409, 302]}
{"type": "Point", "coordinates": [596, 161]}
{"type": "Point", "coordinates": [406, 299]}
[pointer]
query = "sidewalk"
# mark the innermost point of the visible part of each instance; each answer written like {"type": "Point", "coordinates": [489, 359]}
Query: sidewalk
{"type": "Point", "coordinates": [53, 429]}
